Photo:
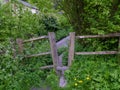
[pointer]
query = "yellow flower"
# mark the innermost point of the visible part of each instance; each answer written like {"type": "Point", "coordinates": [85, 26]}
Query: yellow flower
{"type": "Point", "coordinates": [80, 81]}
{"type": "Point", "coordinates": [88, 78]}
{"type": "Point", "coordinates": [75, 79]}
{"type": "Point", "coordinates": [76, 84]}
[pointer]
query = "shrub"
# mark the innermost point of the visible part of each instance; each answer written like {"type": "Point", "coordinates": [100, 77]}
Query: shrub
{"type": "Point", "coordinates": [94, 73]}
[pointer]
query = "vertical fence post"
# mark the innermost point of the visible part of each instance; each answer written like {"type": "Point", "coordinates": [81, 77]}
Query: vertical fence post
{"type": "Point", "coordinates": [54, 50]}
{"type": "Point", "coordinates": [20, 45]}
{"type": "Point", "coordinates": [71, 48]}
{"type": "Point", "coordinates": [62, 82]}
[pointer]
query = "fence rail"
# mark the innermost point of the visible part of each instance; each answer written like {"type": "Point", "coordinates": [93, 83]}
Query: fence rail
{"type": "Point", "coordinates": [36, 55]}
{"type": "Point", "coordinates": [99, 36]}
{"type": "Point", "coordinates": [47, 67]}
{"type": "Point", "coordinates": [53, 52]}
{"type": "Point", "coordinates": [96, 53]}
{"type": "Point", "coordinates": [35, 39]}
{"type": "Point", "coordinates": [99, 52]}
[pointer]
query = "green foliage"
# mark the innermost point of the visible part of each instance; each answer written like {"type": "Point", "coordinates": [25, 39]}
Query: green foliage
{"type": "Point", "coordinates": [105, 44]}
{"type": "Point", "coordinates": [19, 23]}
{"type": "Point", "coordinates": [16, 73]}
{"type": "Point", "coordinates": [93, 72]}
{"type": "Point", "coordinates": [92, 16]}
{"type": "Point", "coordinates": [51, 24]}
{"type": "Point", "coordinates": [45, 6]}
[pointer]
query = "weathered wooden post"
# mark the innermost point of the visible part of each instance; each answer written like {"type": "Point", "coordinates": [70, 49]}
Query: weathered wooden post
{"type": "Point", "coordinates": [71, 48]}
{"type": "Point", "coordinates": [20, 45]}
{"type": "Point", "coordinates": [54, 50]}
{"type": "Point", "coordinates": [62, 82]}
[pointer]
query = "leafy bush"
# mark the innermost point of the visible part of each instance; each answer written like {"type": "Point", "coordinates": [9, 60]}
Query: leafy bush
{"type": "Point", "coordinates": [15, 74]}
{"type": "Point", "coordinates": [50, 23]}
{"type": "Point", "coordinates": [92, 16]}
{"type": "Point", "coordinates": [98, 73]}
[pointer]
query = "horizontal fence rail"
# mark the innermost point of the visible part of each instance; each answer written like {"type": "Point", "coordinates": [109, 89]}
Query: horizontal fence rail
{"type": "Point", "coordinates": [96, 53]}
{"type": "Point", "coordinates": [21, 42]}
{"type": "Point", "coordinates": [52, 66]}
{"type": "Point", "coordinates": [47, 67]}
{"type": "Point", "coordinates": [99, 52]}
{"type": "Point", "coordinates": [35, 39]}
{"type": "Point", "coordinates": [62, 68]}
{"type": "Point", "coordinates": [99, 36]}
{"type": "Point", "coordinates": [36, 55]}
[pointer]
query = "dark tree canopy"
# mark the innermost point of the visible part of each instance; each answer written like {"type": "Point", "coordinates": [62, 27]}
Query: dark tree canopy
{"type": "Point", "coordinates": [93, 16]}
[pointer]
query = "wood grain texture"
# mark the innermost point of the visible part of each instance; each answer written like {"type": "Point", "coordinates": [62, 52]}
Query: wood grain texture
{"type": "Point", "coordinates": [47, 67]}
{"type": "Point", "coordinates": [71, 48]}
{"type": "Point", "coordinates": [99, 36]}
{"type": "Point", "coordinates": [53, 50]}
{"type": "Point", "coordinates": [36, 55]}
{"type": "Point", "coordinates": [35, 39]}
{"type": "Point", "coordinates": [20, 45]}
{"type": "Point", "coordinates": [96, 53]}
{"type": "Point", "coordinates": [63, 68]}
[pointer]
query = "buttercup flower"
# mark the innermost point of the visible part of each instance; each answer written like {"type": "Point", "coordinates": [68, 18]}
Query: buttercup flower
{"type": "Point", "coordinates": [76, 84]}
{"type": "Point", "coordinates": [80, 81]}
{"type": "Point", "coordinates": [75, 79]}
{"type": "Point", "coordinates": [88, 78]}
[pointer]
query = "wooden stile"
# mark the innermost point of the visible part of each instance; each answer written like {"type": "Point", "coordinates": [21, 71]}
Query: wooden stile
{"type": "Point", "coordinates": [61, 69]}
{"type": "Point", "coordinates": [54, 52]}
{"type": "Point", "coordinates": [71, 48]}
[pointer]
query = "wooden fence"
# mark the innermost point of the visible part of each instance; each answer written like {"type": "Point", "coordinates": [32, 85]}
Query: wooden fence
{"type": "Point", "coordinates": [72, 42]}
{"type": "Point", "coordinates": [53, 52]}
{"type": "Point", "coordinates": [57, 60]}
